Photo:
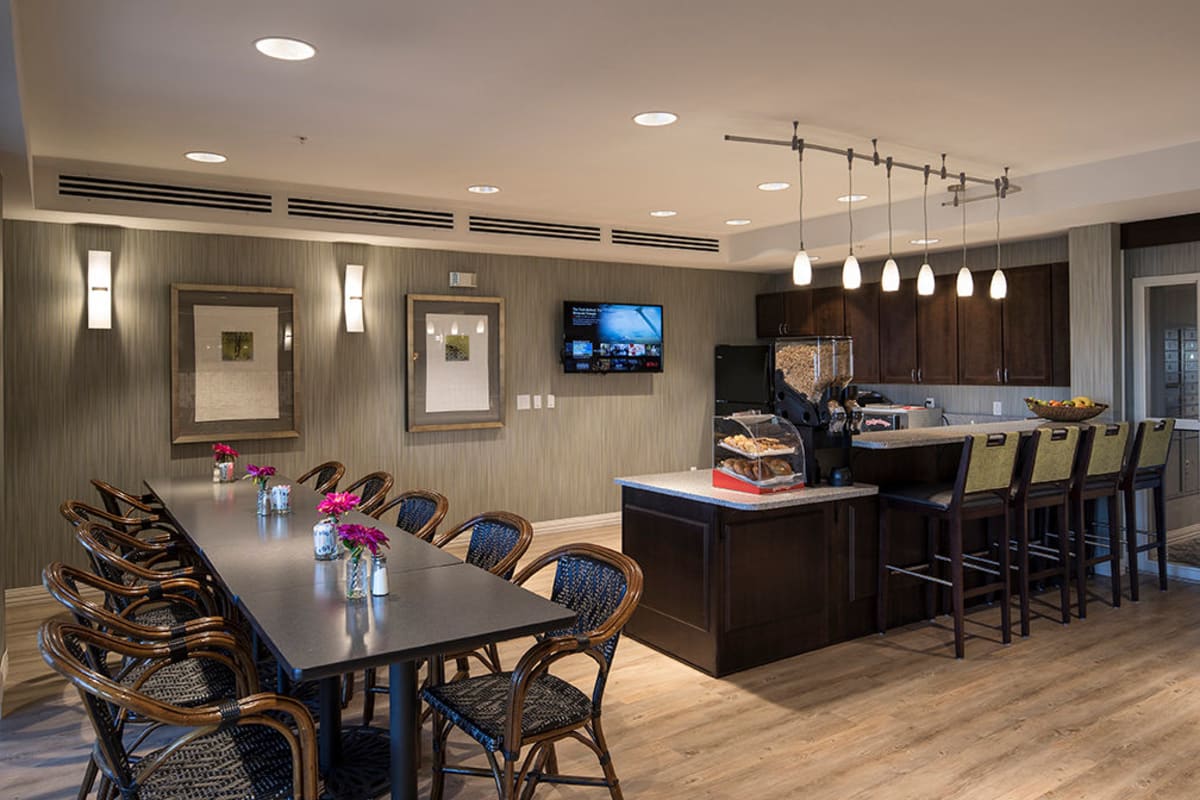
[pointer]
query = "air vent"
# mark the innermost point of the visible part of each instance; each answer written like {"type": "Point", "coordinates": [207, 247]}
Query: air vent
{"type": "Point", "coordinates": [162, 194]}
{"type": "Point", "coordinates": [359, 212]}
{"type": "Point", "coordinates": [544, 230]}
{"type": "Point", "coordinates": [666, 241]}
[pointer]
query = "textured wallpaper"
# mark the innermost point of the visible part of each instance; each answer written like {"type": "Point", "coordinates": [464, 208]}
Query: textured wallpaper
{"type": "Point", "coordinates": [86, 403]}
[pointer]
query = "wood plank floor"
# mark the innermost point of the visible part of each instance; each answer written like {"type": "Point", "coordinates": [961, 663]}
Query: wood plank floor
{"type": "Point", "coordinates": [1108, 707]}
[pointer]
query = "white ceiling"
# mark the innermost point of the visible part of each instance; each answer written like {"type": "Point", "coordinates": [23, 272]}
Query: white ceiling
{"type": "Point", "coordinates": [423, 99]}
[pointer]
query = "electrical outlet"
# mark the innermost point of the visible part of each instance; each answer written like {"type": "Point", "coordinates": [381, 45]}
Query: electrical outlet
{"type": "Point", "coordinates": [537, 401]}
{"type": "Point", "coordinates": [930, 402]}
{"type": "Point", "coordinates": [522, 402]}
{"type": "Point", "coordinates": [549, 401]}
{"type": "Point", "coordinates": [997, 408]}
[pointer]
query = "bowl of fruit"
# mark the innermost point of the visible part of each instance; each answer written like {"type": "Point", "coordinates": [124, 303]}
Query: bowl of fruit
{"type": "Point", "coordinates": [1077, 409]}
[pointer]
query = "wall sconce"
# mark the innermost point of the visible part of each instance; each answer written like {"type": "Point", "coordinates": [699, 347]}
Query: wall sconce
{"type": "Point", "coordinates": [99, 286]}
{"type": "Point", "coordinates": [354, 298]}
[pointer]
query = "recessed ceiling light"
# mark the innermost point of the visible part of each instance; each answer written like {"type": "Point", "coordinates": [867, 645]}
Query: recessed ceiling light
{"type": "Point", "coordinates": [483, 188]}
{"type": "Point", "coordinates": [814, 259]}
{"type": "Point", "coordinates": [923, 241]}
{"type": "Point", "coordinates": [852, 198]}
{"type": "Point", "coordinates": [655, 119]}
{"type": "Point", "coordinates": [285, 49]}
{"type": "Point", "coordinates": [737, 222]}
{"type": "Point", "coordinates": [663, 213]}
{"type": "Point", "coordinates": [774, 186]}
{"type": "Point", "coordinates": [205, 157]}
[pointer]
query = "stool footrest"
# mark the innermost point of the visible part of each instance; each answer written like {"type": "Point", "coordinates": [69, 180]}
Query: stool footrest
{"type": "Point", "coordinates": [920, 575]}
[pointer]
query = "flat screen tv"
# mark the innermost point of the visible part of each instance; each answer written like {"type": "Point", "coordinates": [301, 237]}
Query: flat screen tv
{"type": "Point", "coordinates": [612, 337]}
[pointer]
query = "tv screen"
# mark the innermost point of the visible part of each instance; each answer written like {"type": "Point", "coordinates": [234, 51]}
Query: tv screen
{"type": "Point", "coordinates": [612, 337]}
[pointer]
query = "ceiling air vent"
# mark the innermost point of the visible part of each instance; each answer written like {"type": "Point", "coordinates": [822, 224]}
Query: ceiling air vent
{"type": "Point", "coordinates": [544, 230]}
{"type": "Point", "coordinates": [360, 212]}
{"type": "Point", "coordinates": [666, 241]}
{"type": "Point", "coordinates": [162, 194]}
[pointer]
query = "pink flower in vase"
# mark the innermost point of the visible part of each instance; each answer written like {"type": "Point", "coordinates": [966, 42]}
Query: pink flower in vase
{"type": "Point", "coordinates": [260, 474]}
{"type": "Point", "coordinates": [337, 503]}
{"type": "Point", "coordinates": [223, 453]}
{"type": "Point", "coordinates": [357, 538]}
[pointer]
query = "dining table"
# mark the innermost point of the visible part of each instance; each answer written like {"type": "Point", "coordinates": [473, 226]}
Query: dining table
{"type": "Point", "coordinates": [297, 606]}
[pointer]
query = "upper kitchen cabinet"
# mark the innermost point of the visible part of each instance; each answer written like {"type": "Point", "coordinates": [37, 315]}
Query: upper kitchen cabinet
{"type": "Point", "coordinates": [898, 334]}
{"type": "Point", "coordinates": [981, 336]}
{"type": "Point", "coordinates": [784, 314]}
{"type": "Point", "coordinates": [828, 316]}
{"type": "Point", "coordinates": [1028, 327]}
{"type": "Point", "coordinates": [861, 311]}
{"type": "Point", "coordinates": [937, 334]}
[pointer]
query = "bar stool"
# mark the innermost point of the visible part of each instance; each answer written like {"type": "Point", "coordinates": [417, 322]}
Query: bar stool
{"type": "Point", "coordinates": [1146, 469]}
{"type": "Point", "coordinates": [980, 490]}
{"type": "Point", "coordinates": [1097, 477]}
{"type": "Point", "coordinates": [1043, 486]}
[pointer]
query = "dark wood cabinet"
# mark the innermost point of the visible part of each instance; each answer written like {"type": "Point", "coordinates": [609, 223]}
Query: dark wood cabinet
{"type": "Point", "coordinates": [898, 334]}
{"type": "Point", "coordinates": [980, 336]}
{"type": "Point", "coordinates": [937, 334]}
{"type": "Point", "coordinates": [1028, 333]}
{"type": "Point", "coordinates": [861, 311]}
{"type": "Point", "coordinates": [770, 314]}
{"type": "Point", "coordinates": [828, 314]}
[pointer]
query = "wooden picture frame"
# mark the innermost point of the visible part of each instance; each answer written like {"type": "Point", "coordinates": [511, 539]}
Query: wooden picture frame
{"type": "Point", "coordinates": [455, 362]}
{"type": "Point", "coordinates": [238, 373]}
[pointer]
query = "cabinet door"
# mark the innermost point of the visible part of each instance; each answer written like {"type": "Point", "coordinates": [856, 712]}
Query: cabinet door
{"type": "Point", "coordinates": [1028, 332]}
{"type": "Point", "coordinates": [862, 322]}
{"type": "Point", "coordinates": [980, 336]}
{"type": "Point", "coordinates": [797, 313]}
{"type": "Point", "coordinates": [828, 316]}
{"type": "Point", "coordinates": [937, 333]}
{"type": "Point", "coordinates": [1060, 303]}
{"type": "Point", "coordinates": [898, 334]}
{"type": "Point", "coordinates": [769, 315]}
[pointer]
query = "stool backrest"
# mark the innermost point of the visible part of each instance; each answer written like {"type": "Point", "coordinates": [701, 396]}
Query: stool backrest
{"type": "Point", "coordinates": [1153, 443]}
{"type": "Point", "coordinates": [1053, 454]}
{"type": "Point", "coordinates": [988, 460]}
{"type": "Point", "coordinates": [1109, 442]}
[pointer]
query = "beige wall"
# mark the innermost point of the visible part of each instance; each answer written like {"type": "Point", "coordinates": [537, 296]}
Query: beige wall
{"type": "Point", "coordinates": [4, 527]}
{"type": "Point", "coordinates": [1097, 367]}
{"type": "Point", "coordinates": [97, 403]}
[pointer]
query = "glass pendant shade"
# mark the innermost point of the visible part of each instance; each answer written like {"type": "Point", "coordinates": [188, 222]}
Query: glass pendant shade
{"type": "Point", "coordinates": [851, 273]}
{"type": "Point", "coordinates": [801, 269]}
{"type": "Point", "coordinates": [891, 276]}
{"type": "Point", "coordinates": [925, 280]}
{"type": "Point", "coordinates": [999, 286]}
{"type": "Point", "coordinates": [966, 283]}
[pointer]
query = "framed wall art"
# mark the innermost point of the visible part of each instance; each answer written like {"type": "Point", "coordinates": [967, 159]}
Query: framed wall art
{"type": "Point", "coordinates": [234, 368]}
{"type": "Point", "coordinates": [455, 362]}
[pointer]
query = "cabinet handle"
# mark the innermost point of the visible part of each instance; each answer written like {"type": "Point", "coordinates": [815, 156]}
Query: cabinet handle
{"type": "Point", "coordinates": [912, 374]}
{"type": "Point", "coordinates": [1006, 374]}
{"type": "Point", "coordinates": [998, 378]}
{"type": "Point", "coordinates": [920, 378]}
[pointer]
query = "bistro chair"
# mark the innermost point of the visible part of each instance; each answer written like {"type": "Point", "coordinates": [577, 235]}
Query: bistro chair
{"type": "Point", "coordinates": [1043, 487]}
{"type": "Point", "coordinates": [372, 488]}
{"type": "Point", "coordinates": [532, 708]}
{"type": "Point", "coordinates": [1098, 478]}
{"type": "Point", "coordinates": [257, 745]}
{"type": "Point", "coordinates": [126, 504]}
{"type": "Point", "coordinates": [326, 476]}
{"type": "Point", "coordinates": [418, 511]}
{"type": "Point", "coordinates": [150, 556]}
{"type": "Point", "coordinates": [145, 528]}
{"type": "Point", "coordinates": [980, 491]}
{"type": "Point", "coordinates": [1147, 471]}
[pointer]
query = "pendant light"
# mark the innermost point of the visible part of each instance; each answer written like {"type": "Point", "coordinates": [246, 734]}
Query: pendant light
{"type": "Point", "coordinates": [999, 286]}
{"type": "Point", "coordinates": [965, 283]}
{"type": "Point", "coordinates": [851, 273]}
{"type": "Point", "coordinates": [891, 270]}
{"type": "Point", "coordinates": [925, 280]}
{"type": "Point", "coordinates": [801, 264]}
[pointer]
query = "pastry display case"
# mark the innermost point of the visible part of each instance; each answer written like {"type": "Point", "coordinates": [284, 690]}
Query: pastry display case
{"type": "Point", "coordinates": [757, 453]}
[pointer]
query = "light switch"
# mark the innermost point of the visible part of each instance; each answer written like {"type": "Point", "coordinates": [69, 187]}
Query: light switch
{"type": "Point", "coordinates": [522, 402]}
{"type": "Point", "coordinates": [537, 401]}
{"type": "Point", "coordinates": [549, 401]}
{"type": "Point", "coordinates": [997, 408]}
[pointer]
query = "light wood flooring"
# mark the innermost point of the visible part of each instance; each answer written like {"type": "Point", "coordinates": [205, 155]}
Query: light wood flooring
{"type": "Point", "coordinates": [1104, 708]}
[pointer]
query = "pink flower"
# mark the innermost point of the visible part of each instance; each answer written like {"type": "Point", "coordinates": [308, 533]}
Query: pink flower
{"type": "Point", "coordinates": [359, 537]}
{"type": "Point", "coordinates": [259, 472]}
{"type": "Point", "coordinates": [223, 452]}
{"type": "Point", "coordinates": [336, 503]}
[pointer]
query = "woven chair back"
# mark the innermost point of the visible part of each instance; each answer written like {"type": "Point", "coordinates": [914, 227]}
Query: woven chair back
{"type": "Point", "coordinates": [1108, 449]}
{"type": "Point", "coordinates": [1155, 436]}
{"type": "Point", "coordinates": [1053, 452]}
{"type": "Point", "coordinates": [992, 457]}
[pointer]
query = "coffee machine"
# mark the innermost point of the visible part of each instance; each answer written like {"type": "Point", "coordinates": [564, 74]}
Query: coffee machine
{"type": "Point", "coordinates": [812, 390]}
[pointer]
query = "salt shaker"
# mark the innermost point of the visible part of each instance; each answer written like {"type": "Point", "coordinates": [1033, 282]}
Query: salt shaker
{"type": "Point", "coordinates": [379, 576]}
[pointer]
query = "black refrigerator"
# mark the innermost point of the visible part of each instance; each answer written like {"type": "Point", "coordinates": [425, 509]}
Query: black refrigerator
{"type": "Point", "coordinates": [743, 378]}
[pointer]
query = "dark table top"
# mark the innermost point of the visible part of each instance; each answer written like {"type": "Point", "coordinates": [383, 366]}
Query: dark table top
{"type": "Point", "coordinates": [298, 605]}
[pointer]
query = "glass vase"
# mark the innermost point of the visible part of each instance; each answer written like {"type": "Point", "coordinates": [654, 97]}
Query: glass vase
{"type": "Point", "coordinates": [325, 545]}
{"type": "Point", "coordinates": [226, 470]}
{"type": "Point", "coordinates": [264, 502]}
{"type": "Point", "coordinates": [357, 574]}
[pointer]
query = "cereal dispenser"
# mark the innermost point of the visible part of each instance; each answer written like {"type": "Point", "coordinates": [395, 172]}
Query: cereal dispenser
{"type": "Point", "coordinates": [812, 374]}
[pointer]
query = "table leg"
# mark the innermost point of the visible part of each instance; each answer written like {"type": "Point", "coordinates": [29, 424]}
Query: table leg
{"type": "Point", "coordinates": [405, 734]}
{"type": "Point", "coordinates": [329, 734]}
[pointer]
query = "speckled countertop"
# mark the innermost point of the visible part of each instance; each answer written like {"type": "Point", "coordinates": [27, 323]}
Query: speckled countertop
{"type": "Point", "coordinates": [946, 434]}
{"type": "Point", "coordinates": [697, 485]}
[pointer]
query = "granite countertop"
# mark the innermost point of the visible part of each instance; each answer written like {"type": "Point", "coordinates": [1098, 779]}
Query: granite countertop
{"type": "Point", "coordinates": [946, 434]}
{"type": "Point", "coordinates": [697, 485]}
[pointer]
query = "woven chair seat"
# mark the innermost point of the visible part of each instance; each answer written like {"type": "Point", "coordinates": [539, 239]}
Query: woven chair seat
{"type": "Point", "coordinates": [188, 683]}
{"type": "Point", "coordinates": [248, 762]}
{"type": "Point", "coordinates": [164, 616]}
{"type": "Point", "coordinates": [478, 705]}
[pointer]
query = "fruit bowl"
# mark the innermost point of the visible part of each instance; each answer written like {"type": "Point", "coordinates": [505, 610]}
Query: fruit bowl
{"type": "Point", "coordinates": [1066, 413]}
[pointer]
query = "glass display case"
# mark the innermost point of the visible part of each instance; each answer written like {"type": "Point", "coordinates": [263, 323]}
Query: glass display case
{"type": "Point", "coordinates": [757, 453]}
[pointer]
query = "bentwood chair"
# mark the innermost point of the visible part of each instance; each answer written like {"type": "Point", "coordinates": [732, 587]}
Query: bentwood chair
{"type": "Point", "coordinates": [980, 491]}
{"type": "Point", "coordinates": [149, 554]}
{"type": "Point", "coordinates": [1146, 470]}
{"type": "Point", "coordinates": [147, 528]}
{"type": "Point", "coordinates": [257, 745]}
{"type": "Point", "coordinates": [326, 476]}
{"type": "Point", "coordinates": [418, 511]}
{"type": "Point", "coordinates": [532, 708]}
{"type": "Point", "coordinates": [1043, 487]}
{"type": "Point", "coordinates": [126, 504]}
{"type": "Point", "coordinates": [1097, 479]}
{"type": "Point", "coordinates": [372, 490]}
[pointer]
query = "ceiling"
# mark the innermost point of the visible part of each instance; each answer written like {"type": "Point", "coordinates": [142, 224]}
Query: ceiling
{"type": "Point", "coordinates": [421, 100]}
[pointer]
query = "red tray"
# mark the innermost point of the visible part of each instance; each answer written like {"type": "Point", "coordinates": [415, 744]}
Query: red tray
{"type": "Point", "coordinates": [722, 480]}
